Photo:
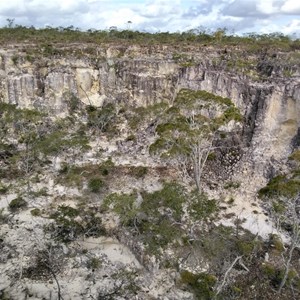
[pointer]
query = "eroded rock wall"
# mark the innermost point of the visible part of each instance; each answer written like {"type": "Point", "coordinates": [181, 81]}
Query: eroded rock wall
{"type": "Point", "coordinates": [141, 76]}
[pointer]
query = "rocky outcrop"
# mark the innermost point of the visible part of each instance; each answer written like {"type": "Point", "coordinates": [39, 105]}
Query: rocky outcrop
{"type": "Point", "coordinates": [140, 76]}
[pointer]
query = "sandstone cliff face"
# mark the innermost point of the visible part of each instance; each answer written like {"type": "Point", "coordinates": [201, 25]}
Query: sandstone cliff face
{"type": "Point", "coordinates": [140, 76]}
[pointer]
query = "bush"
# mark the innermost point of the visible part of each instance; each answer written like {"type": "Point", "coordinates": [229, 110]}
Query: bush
{"type": "Point", "coordinates": [281, 186]}
{"type": "Point", "coordinates": [17, 204]}
{"type": "Point", "coordinates": [69, 223]}
{"type": "Point", "coordinates": [93, 263]}
{"type": "Point", "coordinates": [201, 207]}
{"type": "Point", "coordinates": [201, 284]}
{"type": "Point", "coordinates": [138, 172]}
{"type": "Point", "coordinates": [101, 118]}
{"type": "Point", "coordinates": [95, 184]}
{"type": "Point", "coordinates": [3, 189]}
{"type": "Point", "coordinates": [35, 212]}
{"type": "Point", "coordinates": [123, 205]}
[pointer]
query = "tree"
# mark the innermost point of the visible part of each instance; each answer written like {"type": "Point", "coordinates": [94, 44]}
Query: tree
{"type": "Point", "coordinates": [188, 130]}
{"type": "Point", "coordinates": [11, 23]}
{"type": "Point", "coordinates": [287, 219]}
{"type": "Point", "coordinates": [283, 193]}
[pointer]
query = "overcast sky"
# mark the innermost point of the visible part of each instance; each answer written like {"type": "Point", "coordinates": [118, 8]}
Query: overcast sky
{"type": "Point", "coordinates": [239, 16]}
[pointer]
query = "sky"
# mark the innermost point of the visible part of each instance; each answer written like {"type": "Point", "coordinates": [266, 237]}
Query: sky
{"type": "Point", "coordinates": [237, 16]}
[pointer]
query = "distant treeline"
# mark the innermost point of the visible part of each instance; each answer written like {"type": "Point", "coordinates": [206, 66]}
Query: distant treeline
{"type": "Point", "coordinates": [18, 33]}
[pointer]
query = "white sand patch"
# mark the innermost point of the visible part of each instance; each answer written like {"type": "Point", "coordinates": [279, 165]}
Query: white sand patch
{"type": "Point", "coordinates": [5, 200]}
{"type": "Point", "coordinates": [112, 248]}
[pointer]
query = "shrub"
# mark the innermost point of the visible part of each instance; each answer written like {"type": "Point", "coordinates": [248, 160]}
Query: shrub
{"type": "Point", "coordinates": [69, 223]}
{"type": "Point", "coordinates": [94, 263]}
{"type": "Point", "coordinates": [17, 204]}
{"type": "Point", "coordinates": [3, 216]}
{"type": "Point", "coordinates": [171, 196]}
{"type": "Point", "coordinates": [201, 284]}
{"type": "Point", "coordinates": [276, 242]}
{"type": "Point", "coordinates": [295, 156]}
{"type": "Point", "coordinates": [101, 118]}
{"type": "Point", "coordinates": [232, 185]}
{"type": "Point", "coordinates": [201, 207]}
{"type": "Point", "coordinates": [3, 189]}
{"type": "Point", "coordinates": [138, 172]}
{"type": "Point", "coordinates": [123, 205]}
{"type": "Point", "coordinates": [35, 212]}
{"type": "Point", "coordinates": [280, 186]}
{"type": "Point", "coordinates": [95, 184]}
{"type": "Point", "coordinates": [131, 138]}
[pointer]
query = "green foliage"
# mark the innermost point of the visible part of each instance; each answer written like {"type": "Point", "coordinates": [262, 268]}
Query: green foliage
{"type": "Point", "coordinates": [183, 59]}
{"type": "Point", "coordinates": [94, 263]}
{"type": "Point", "coordinates": [58, 141]}
{"type": "Point", "coordinates": [157, 217]}
{"type": "Point", "coordinates": [278, 206]}
{"type": "Point", "coordinates": [246, 246]}
{"type": "Point", "coordinates": [172, 197]}
{"type": "Point", "coordinates": [95, 184]}
{"type": "Point", "coordinates": [201, 284]}
{"type": "Point", "coordinates": [17, 204]}
{"type": "Point", "coordinates": [70, 223]}
{"type": "Point", "coordinates": [138, 172]}
{"type": "Point", "coordinates": [106, 167]}
{"type": "Point", "coordinates": [3, 189]}
{"type": "Point", "coordinates": [276, 242]}
{"type": "Point", "coordinates": [75, 175]}
{"type": "Point", "coordinates": [159, 233]}
{"type": "Point", "coordinates": [3, 217]}
{"type": "Point", "coordinates": [160, 209]}
{"type": "Point", "coordinates": [101, 118]}
{"type": "Point", "coordinates": [122, 204]}
{"type": "Point", "coordinates": [275, 274]}
{"type": "Point", "coordinates": [65, 211]}
{"type": "Point", "coordinates": [43, 192]}
{"type": "Point", "coordinates": [36, 212]}
{"type": "Point", "coordinates": [188, 98]}
{"type": "Point", "coordinates": [232, 185]}
{"type": "Point", "coordinates": [281, 186]}
{"type": "Point", "coordinates": [131, 138]}
{"type": "Point", "coordinates": [4, 295]}
{"type": "Point", "coordinates": [48, 37]}
{"type": "Point", "coordinates": [73, 102]}
{"type": "Point", "coordinates": [139, 115]}
{"type": "Point", "coordinates": [10, 113]}
{"type": "Point", "coordinates": [178, 130]}
{"type": "Point", "coordinates": [15, 59]}
{"type": "Point", "coordinates": [269, 270]}
{"type": "Point", "coordinates": [201, 208]}
{"type": "Point", "coordinates": [295, 156]}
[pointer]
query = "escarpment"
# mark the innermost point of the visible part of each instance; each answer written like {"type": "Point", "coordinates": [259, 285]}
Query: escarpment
{"type": "Point", "coordinates": [139, 76]}
{"type": "Point", "coordinates": [138, 172]}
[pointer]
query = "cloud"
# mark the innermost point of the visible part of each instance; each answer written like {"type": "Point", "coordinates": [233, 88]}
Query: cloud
{"type": "Point", "coordinates": [291, 7]}
{"type": "Point", "coordinates": [156, 15]}
{"type": "Point", "coordinates": [268, 7]}
{"type": "Point", "coordinates": [241, 8]}
{"type": "Point", "coordinates": [160, 8]}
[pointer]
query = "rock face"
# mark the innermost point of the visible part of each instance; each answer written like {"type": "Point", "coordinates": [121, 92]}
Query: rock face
{"type": "Point", "coordinates": [140, 76]}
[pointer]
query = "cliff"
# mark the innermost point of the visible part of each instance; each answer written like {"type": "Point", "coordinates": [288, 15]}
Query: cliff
{"type": "Point", "coordinates": [265, 88]}
{"type": "Point", "coordinates": [98, 175]}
